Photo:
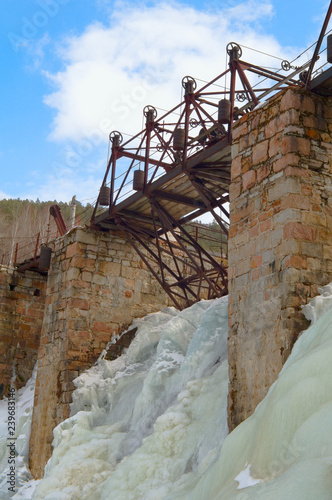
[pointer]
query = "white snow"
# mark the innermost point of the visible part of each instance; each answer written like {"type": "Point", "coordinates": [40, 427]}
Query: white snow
{"type": "Point", "coordinates": [245, 480]}
{"type": "Point", "coordinates": [152, 425]}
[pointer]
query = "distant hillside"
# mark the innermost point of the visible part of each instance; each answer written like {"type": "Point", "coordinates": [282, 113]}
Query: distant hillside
{"type": "Point", "coordinates": [22, 220]}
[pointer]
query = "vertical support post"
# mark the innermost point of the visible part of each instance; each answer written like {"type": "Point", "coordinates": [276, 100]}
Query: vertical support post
{"type": "Point", "coordinates": [318, 45]}
{"type": "Point", "coordinates": [147, 154]}
{"type": "Point", "coordinates": [37, 245]}
{"type": "Point", "coordinates": [114, 158]}
{"type": "Point", "coordinates": [186, 126]}
{"type": "Point", "coordinates": [16, 250]}
{"type": "Point", "coordinates": [72, 205]}
{"type": "Point", "coordinates": [150, 114]}
{"type": "Point", "coordinates": [232, 99]}
{"type": "Point", "coordinates": [189, 85]}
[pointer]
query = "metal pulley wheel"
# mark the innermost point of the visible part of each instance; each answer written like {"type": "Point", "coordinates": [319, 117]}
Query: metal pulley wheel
{"type": "Point", "coordinates": [193, 122]}
{"type": "Point", "coordinates": [116, 138]}
{"type": "Point", "coordinates": [303, 76]}
{"type": "Point", "coordinates": [232, 48]}
{"type": "Point", "coordinates": [150, 113]}
{"type": "Point", "coordinates": [241, 96]}
{"type": "Point", "coordinates": [189, 84]}
{"type": "Point", "coordinates": [285, 65]}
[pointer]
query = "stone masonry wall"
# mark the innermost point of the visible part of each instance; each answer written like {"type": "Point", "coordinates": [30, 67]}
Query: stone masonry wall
{"type": "Point", "coordinates": [22, 301]}
{"type": "Point", "coordinates": [97, 285]}
{"type": "Point", "coordinates": [280, 239]}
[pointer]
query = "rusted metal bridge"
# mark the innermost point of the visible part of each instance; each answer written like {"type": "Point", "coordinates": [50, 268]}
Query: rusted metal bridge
{"type": "Point", "coordinates": [178, 169]}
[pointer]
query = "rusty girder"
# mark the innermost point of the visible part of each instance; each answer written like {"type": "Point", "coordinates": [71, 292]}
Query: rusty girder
{"type": "Point", "coordinates": [185, 270]}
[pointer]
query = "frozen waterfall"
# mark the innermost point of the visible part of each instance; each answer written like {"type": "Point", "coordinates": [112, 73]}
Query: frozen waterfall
{"type": "Point", "coordinates": [152, 424]}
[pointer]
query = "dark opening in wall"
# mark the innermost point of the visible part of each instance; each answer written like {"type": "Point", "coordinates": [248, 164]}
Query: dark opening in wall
{"type": "Point", "coordinates": [13, 284]}
{"type": "Point", "coordinates": [36, 293]}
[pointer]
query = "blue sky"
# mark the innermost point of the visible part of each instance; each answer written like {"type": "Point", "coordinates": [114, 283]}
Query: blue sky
{"type": "Point", "coordinates": [73, 70]}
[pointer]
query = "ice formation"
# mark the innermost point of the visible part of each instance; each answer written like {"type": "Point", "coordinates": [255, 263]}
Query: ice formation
{"type": "Point", "coordinates": [24, 403]}
{"type": "Point", "coordinates": [287, 442]}
{"type": "Point", "coordinates": [152, 424]}
{"type": "Point", "coordinates": [153, 419]}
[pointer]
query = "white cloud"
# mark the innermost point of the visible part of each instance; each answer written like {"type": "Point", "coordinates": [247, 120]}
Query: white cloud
{"type": "Point", "coordinates": [137, 57]}
{"type": "Point", "coordinates": [4, 196]}
{"type": "Point", "coordinates": [112, 71]}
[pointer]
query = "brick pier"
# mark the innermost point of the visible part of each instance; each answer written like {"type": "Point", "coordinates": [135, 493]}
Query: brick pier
{"type": "Point", "coordinates": [280, 240]}
{"type": "Point", "coordinates": [96, 286]}
{"type": "Point", "coordinates": [22, 302]}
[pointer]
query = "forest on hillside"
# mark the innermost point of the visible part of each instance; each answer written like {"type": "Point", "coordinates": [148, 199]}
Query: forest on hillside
{"type": "Point", "coordinates": [26, 224]}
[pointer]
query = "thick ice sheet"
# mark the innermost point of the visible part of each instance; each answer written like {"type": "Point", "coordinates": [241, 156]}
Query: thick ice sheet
{"type": "Point", "coordinates": [153, 419]}
{"type": "Point", "coordinates": [288, 441]}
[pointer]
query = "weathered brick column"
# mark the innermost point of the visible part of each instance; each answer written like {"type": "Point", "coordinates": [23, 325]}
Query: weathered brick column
{"type": "Point", "coordinates": [96, 286]}
{"type": "Point", "coordinates": [280, 241]}
{"type": "Point", "coordinates": [22, 302]}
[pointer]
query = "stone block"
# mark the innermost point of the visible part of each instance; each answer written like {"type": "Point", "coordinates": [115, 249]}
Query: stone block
{"type": "Point", "coordinates": [290, 100]}
{"type": "Point", "coordinates": [278, 190]}
{"type": "Point", "coordinates": [265, 226]}
{"type": "Point", "coordinates": [294, 144]}
{"type": "Point", "coordinates": [312, 249]}
{"type": "Point", "coordinates": [248, 179]}
{"type": "Point", "coordinates": [73, 273]}
{"type": "Point", "coordinates": [327, 252]}
{"type": "Point", "coordinates": [75, 248]}
{"type": "Point", "coordinates": [234, 190]}
{"type": "Point", "coordinates": [256, 261]}
{"type": "Point", "coordinates": [79, 303]}
{"type": "Point", "coordinates": [260, 152]}
{"type": "Point", "coordinates": [285, 162]}
{"type": "Point", "coordinates": [295, 261]}
{"type": "Point", "coordinates": [240, 129]}
{"type": "Point", "coordinates": [236, 167]}
{"type": "Point", "coordinates": [298, 231]}
{"type": "Point", "coordinates": [98, 279]}
{"type": "Point", "coordinates": [88, 237]}
{"type": "Point", "coordinates": [296, 201]}
{"type": "Point", "coordinates": [263, 172]}
{"type": "Point", "coordinates": [110, 268]}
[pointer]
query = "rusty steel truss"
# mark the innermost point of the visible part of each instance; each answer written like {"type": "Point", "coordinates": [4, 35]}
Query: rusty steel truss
{"type": "Point", "coordinates": [178, 168]}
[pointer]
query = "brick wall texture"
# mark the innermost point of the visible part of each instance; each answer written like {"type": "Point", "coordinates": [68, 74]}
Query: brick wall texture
{"type": "Point", "coordinates": [22, 301]}
{"type": "Point", "coordinates": [280, 240]}
{"type": "Point", "coordinates": [96, 286]}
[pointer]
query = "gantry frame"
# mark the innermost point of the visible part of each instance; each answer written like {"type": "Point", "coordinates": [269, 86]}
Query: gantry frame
{"type": "Point", "coordinates": [184, 161]}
